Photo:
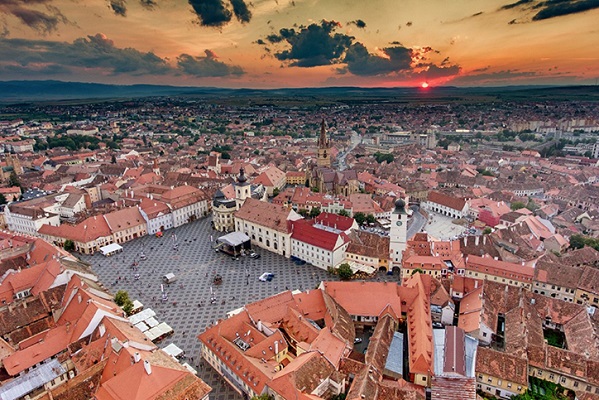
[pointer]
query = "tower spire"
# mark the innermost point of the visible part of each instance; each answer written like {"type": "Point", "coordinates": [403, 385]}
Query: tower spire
{"type": "Point", "coordinates": [324, 157]}
{"type": "Point", "coordinates": [322, 140]}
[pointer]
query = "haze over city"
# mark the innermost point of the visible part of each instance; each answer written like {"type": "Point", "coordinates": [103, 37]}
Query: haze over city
{"type": "Point", "coordinates": [301, 43]}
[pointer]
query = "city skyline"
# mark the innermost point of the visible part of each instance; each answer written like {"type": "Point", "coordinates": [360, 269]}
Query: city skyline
{"type": "Point", "coordinates": [300, 43]}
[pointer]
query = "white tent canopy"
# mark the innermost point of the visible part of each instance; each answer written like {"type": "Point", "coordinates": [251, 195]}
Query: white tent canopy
{"type": "Point", "coordinates": [111, 249]}
{"type": "Point", "coordinates": [173, 350]}
{"type": "Point", "coordinates": [234, 238]}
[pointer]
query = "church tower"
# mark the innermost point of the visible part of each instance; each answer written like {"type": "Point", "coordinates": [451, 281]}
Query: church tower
{"type": "Point", "coordinates": [155, 167]}
{"type": "Point", "coordinates": [324, 148]}
{"type": "Point", "coordinates": [242, 188]}
{"type": "Point", "coordinates": [398, 234]}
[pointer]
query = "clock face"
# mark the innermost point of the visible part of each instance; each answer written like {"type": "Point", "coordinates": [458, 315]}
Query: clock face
{"type": "Point", "coordinates": [398, 223]}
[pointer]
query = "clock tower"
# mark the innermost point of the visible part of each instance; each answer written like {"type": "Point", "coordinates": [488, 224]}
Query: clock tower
{"type": "Point", "coordinates": [398, 234]}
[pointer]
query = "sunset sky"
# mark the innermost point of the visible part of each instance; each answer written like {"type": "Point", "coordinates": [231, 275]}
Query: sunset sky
{"type": "Point", "coordinates": [301, 43]}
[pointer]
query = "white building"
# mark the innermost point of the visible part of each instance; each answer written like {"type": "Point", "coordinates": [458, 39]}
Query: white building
{"type": "Point", "coordinates": [28, 219]}
{"type": "Point", "coordinates": [268, 225]}
{"type": "Point", "coordinates": [440, 203]}
{"type": "Point", "coordinates": [187, 204]}
{"type": "Point", "coordinates": [323, 248]}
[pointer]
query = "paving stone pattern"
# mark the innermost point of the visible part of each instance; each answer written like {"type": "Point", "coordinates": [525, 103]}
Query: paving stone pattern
{"type": "Point", "coordinates": [195, 264]}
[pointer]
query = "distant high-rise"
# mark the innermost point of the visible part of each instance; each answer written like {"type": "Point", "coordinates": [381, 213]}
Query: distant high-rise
{"type": "Point", "coordinates": [324, 148]}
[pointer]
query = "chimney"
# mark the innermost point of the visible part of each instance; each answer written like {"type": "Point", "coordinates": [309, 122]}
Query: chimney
{"type": "Point", "coordinates": [260, 325]}
{"type": "Point", "coordinates": [476, 240]}
{"type": "Point", "coordinates": [276, 347]}
{"type": "Point", "coordinates": [147, 367]}
{"type": "Point", "coordinates": [476, 284]}
{"type": "Point", "coordinates": [136, 357]}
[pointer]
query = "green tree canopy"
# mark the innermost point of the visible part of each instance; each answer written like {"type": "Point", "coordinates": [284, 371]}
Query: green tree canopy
{"type": "Point", "coordinates": [314, 212]}
{"type": "Point", "coordinates": [2, 199]}
{"type": "Point", "coordinates": [121, 298]}
{"type": "Point", "coordinates": [343, 213]}
{"type": "Point", "coordinates": [579, 241]}
{"type": "Point", "coordinates": [370, 219]}
{"type": "Point", "coordinates": [344, 271]}
{"type": "Point", "coordinates": [360, 218]}
{"type": "Point", "coordinates": [13, 180]}
{"type": "Point", "coordinates": [69, 245]}
{"type": "Point", "coordinates": [516, 205]}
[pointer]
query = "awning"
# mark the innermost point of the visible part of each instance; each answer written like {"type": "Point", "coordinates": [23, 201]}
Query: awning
{"type": "Point", "coordinates": [173, 350]}
{"type": "Point", "coordinates": [111, 249]}
{"type": "Point", "coordinates": [234, 239]}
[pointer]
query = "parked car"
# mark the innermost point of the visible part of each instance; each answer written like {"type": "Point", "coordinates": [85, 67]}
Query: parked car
{"type": "Point", "coordinates": [254, 255]}
{"type": "Point", "coordinates": [266, 277]}
{"type": "Point", "coordinates": [357, 340]}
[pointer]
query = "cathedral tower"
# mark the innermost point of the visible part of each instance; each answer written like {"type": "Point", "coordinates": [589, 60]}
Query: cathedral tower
{"type": "Point", "coordinates": [324, 147]}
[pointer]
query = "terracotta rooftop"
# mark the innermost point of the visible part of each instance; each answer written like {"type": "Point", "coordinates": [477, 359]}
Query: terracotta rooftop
{"type": "Point", "coordinates": [269, 215]}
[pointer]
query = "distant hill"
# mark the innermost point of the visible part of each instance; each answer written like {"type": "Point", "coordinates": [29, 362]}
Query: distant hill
{"type": "Point", "coordinates": [34, 91]}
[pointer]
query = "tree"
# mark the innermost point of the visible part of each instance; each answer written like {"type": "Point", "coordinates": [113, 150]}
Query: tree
{"type": "Point", "coordinates": [344, 271]}
{"type": "Point", "coordinates": [417, 271]}
{"type": "Point", "coordinates": [360, 218]}
{"type": "Point", "coordinates": [370, 219]}
{"type": "Point", "coordinates": [579, 241]}
{"type": "Point", "coordinates": [69, 245]}
{"type": "Point", "coordinates": [2, 199]}
{"type": "Point", "coordinates": [516, 205]}
{"type": "Point", "coordinates": [275, 192]}
{"type": "Point", "coordinates": [314, 212]}
{"type": "Point", "coordinates": [264, 396]}
{"type": "Point", "coordinates": [303, 212]}
{"type": "Point", "coordinates": [343, 213]}
{"type": "Point", "coordinates": [487, 230]}
{"type": "Point", "coordinates": [13, 180]}
{"type": "Point", "coordinates": [122, 300]}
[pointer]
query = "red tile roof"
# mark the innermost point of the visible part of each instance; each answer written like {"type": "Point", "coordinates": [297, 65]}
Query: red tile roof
{"type": "Point", "coordinates": [305, 232]}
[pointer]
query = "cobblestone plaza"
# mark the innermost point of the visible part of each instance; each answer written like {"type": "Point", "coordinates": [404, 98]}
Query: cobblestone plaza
{"type": "Point", "coordinates": [188, 309]}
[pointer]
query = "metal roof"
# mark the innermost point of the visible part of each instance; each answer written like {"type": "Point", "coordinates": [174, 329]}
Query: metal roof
{"type": "Point", "coordinates": [31, 380]}
{"type": "Point", "coordinates": [395, 357]}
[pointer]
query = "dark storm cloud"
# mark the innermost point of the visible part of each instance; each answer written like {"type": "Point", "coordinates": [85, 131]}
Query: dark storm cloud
{"type": "Point", "coordinates": [207, 66]}
{"type": "Point", "coordinates": [359, 23]}
{"type": "Point", "coordinates": [119, 7]}
{"type": "Point", "coordinates": [42, 21]}
{"type": "Point", "coordinates": [312, 45]}
{"type": "Point", "coordinates": [557, 9]}
{"type": "Point", "coordinates": [216, 13]}
{"type": "Point", "coordinates": [361, 62]}
{"type": "Point", "coordinates": [516, 4]}
{"type": "Point", "coordinates": [551, 8]}
{"type": "Point", "coordinates": [319, 44]}
{"type": "Point", "coordinates": [241, 11]}
{"type": "Point", "coordinates": [149, 4]}
{"type": "Point", "coordinates": [90, 52]}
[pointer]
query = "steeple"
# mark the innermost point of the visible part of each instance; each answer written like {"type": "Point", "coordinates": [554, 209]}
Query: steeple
{"type": "Point", "coordinates": [324, 156]}
{"type": "Point", "coordinates": [241, 179]}
{"type": "Point", "coordinates": [323, 140]}
{"type": "Point", "coordinates": [242, 188]}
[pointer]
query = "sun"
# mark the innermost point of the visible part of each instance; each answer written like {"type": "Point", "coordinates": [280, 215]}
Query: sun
{"type": "Point", "coordinates": [424, 85]}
